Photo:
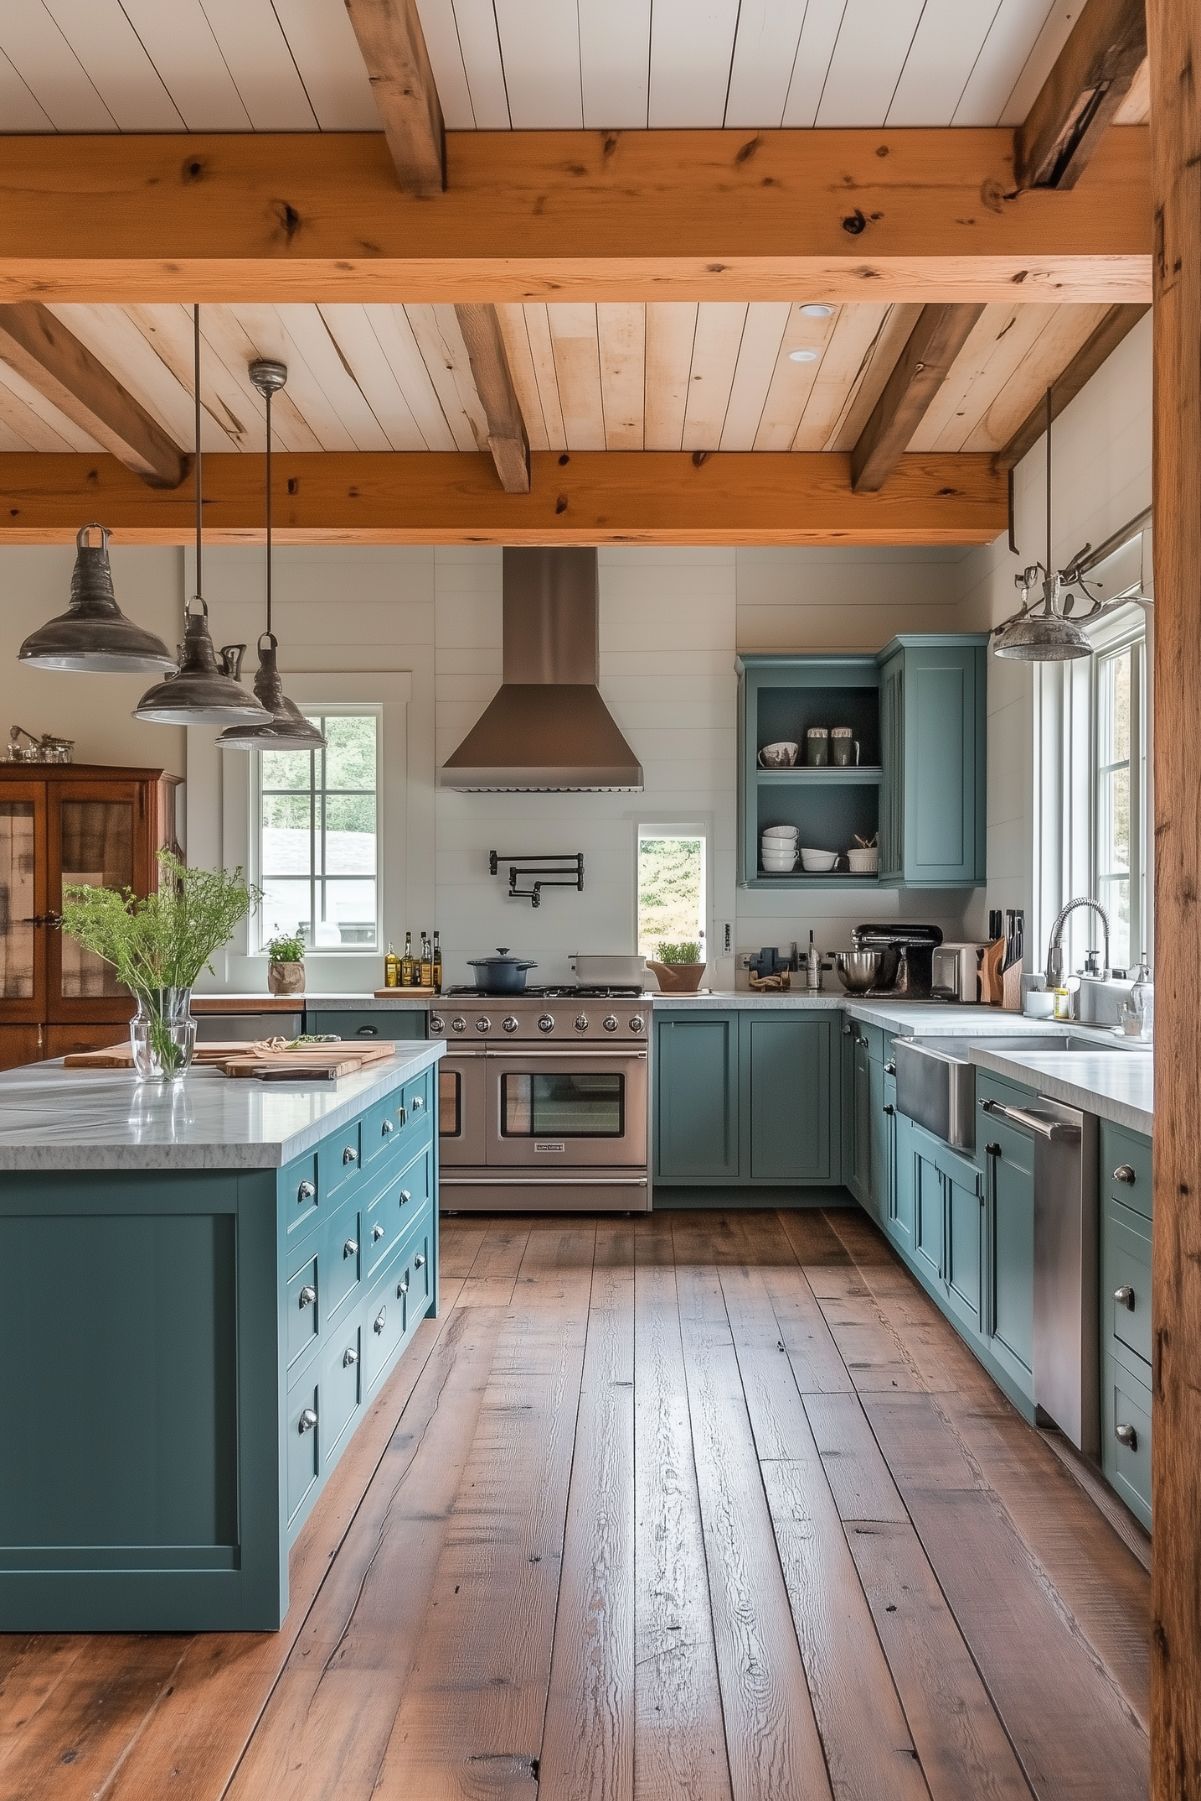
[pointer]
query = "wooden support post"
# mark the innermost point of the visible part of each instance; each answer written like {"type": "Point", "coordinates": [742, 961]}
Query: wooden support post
{"type": "Point", "coordinates": [1174, 31]}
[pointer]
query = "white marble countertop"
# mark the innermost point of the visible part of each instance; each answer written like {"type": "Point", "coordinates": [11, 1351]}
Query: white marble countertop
{"type": "Point", "coordinates": [1116, 1085]}
{"type": "Point", "coordinates": [58, 1119]}
{"type": "Point", "coordinates": [318, 1003]}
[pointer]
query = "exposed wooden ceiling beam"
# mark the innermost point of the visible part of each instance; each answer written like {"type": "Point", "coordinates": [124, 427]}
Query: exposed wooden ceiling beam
{"type": "Point", "coordinates": [601, 497]}
{"type": "Point", "coordinates": [587, 215]}
{"type": "Point", "coordinates": [490, 367]}
{"type": "Point", "coordinates": [919, 372]}
{"type": "Point", "coordinates": [393, 47]}
{"type": "Point", "coordinates": [51, 359]}
{"type": "Point", "coordinates": [1077, 103]}
{"type": "Point", "coordinates": [1100, 344]}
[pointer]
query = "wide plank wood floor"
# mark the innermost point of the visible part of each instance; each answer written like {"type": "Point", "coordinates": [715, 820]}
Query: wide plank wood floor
{"type": "Point", "coordinates": [692, 1507]}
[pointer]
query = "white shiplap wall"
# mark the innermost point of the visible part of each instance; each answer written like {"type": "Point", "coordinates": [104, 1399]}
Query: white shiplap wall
{"type": "Point", "coordinates": [671, 624]}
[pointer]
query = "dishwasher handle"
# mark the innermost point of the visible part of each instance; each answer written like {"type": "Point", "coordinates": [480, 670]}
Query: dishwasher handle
{"type": "Point", "coordinates": [1059, 1131]}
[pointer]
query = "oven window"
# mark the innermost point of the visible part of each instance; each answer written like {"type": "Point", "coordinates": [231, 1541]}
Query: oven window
{"type": "Point", "coordinates": [450, 1103]}
{"type": "Point", "coordinates": [563, 1105]}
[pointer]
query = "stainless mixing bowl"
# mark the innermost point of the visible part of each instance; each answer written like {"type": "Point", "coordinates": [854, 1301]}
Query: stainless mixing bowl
{"type": "Point", "coordinates": [857, 970]}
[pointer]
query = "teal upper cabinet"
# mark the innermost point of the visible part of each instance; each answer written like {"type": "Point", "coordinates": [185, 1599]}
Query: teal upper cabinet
{"type": "Point", "coordinates": [747, 1097]}
{"type": "Point", "coordinates": [917, 770]}
{"type": "Point", "coordinates": [932, 730]}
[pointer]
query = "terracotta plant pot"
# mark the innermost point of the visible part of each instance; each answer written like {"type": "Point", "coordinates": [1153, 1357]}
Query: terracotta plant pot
{"type": "Point", "coordinates": [677, 978]}
{"type": "Point", "coordinates": [285, 978]}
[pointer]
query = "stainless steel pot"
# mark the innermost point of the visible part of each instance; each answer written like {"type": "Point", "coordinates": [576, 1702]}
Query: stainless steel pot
{"type": "Point", "coordinates": [501, 974]}
{"type": "Point", "coordinates": [857, 970]}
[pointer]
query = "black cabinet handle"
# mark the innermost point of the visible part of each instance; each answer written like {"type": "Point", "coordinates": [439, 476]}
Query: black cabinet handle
{"type": "Point", "coordinates": [888, 1108]}
{"type": "Point", "coordinates": [992, 1150]}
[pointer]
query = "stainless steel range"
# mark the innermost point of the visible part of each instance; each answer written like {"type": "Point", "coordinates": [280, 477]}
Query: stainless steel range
{"type": "Point", "coordinates": [543, 1100]}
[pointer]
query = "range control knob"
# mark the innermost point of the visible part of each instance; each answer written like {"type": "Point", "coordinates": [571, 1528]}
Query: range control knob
{"type": "Point", "coordinates": [609, 1022]}
{"type": "Point", "coordinates": [511, 1023]}
{"type": "Point", "coordinates": [637, 1023]}
{"type": "Point", "coordinates": [483, 1023]}
{"type": "Point", "coordinates": [581, 1022]}
{"type": "Point", "coordinates": [437, 1024]}
{"type": "Point", "coordinates": [458, 1025]}
{"type": "Point", "coordinates": [546, 1023]}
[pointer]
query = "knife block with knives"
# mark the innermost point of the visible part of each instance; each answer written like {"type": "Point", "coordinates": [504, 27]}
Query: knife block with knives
{"type": "Point", "coordinates": [1002, 960]}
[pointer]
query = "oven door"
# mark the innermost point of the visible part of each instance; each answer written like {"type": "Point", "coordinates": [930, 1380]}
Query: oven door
{"type": "Point", "coordinates": [551, 1111]}
{"type": "Point", "coordinates": [462, 1107]}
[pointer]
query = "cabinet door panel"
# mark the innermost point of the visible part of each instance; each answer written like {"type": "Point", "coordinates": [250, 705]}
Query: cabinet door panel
{"type": "Point", "coordinates": [892, 758]}
{"type": "Point", "coordinates": [961, 1254]}
{"type": "Point", "coordinates": [943, 737]}
{"type": "Point", "coordinates": [23, 943]}
{"type": "Point", "coordinates": [788, 1064]}
{"type": "Point", "coordinates": [857, 1174]}
{"type": "Point", "coordinates": [900, 1217]}
{"type": "Point", "coordinates": [1011, 1244]}
{"type": "Point", "coordinates": [98, 836]}
{"type": "Point", "coordinates": [696, 1098]}
{"type": "Point", "coordinates": [928, 1205]}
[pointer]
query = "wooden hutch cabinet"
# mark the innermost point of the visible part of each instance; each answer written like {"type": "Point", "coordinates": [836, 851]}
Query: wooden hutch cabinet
{"type": "Point", "coordinates": [77, 823]}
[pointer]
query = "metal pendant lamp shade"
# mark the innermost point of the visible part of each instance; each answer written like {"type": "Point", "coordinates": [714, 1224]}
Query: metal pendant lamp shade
{"type": "Point", "coordinates": [94, 635]}
{"type": "Point", "coordinates": [284, 726]}
{"type": "Point", "coordinates": [206, 691]}
{"type": "Point", "coordinates": [1042, 636]}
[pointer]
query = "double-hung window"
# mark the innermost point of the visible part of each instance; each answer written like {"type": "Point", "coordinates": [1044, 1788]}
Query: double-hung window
{"type": "Point", "coordinates": [316, 835]}
{"type": "Point", "coordinates": [1119, 797]}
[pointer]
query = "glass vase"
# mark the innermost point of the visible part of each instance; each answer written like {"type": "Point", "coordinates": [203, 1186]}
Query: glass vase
{"type": "Point", "coordinates": [162, 1034]}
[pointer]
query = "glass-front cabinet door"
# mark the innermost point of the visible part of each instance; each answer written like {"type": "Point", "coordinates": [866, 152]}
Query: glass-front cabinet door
{"type": "Point", "coordinates": [98, 836]}
{"type": "Point", "coordinates": [23, 923]}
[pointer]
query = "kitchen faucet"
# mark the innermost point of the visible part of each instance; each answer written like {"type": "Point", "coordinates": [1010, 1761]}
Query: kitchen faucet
{"type": "Point", "coordinates": [1055, 945]}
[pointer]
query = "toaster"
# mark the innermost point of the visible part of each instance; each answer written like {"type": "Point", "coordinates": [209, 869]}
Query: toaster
{"type": "Point", "coordinates": [956, 972]}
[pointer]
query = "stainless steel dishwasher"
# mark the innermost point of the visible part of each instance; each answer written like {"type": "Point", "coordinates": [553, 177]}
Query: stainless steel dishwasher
{"type": "Point", "coordinates": [1066, 1327]}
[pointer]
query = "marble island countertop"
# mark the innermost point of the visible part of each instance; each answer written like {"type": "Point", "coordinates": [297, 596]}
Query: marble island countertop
{"type": "Point", "coordinates": [1117, 1085]}
{"type": "Point", "coordinates": [58, 1119]}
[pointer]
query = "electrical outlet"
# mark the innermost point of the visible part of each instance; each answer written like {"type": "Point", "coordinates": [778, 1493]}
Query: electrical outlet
{"type": "Point", "coordinates": [725, 937]}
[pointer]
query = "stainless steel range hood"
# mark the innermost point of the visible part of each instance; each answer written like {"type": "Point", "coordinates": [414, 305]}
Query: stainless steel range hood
{"type": "Point", "coordinates": [547, 730]}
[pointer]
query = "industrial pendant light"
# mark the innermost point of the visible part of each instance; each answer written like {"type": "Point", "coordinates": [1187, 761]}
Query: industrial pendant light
{"type": "Point", "coordinates": [286, 728]}
{"type": "Point", "coordinates": [1044, 632]}
{"type": "Point", "coordinates": [94, 634]}
{"type": "Point", "coordinates": [206, 691]}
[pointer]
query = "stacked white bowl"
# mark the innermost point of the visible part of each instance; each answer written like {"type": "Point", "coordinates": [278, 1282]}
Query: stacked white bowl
{"type": "Point", "coordinates": [778, 848]}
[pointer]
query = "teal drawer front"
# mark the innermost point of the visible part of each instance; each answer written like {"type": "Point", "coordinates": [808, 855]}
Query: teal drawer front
{"type": "Point", "coordinates": [303, 1455]}
{"type": "Point", "coordinates": [300, 1192]}
{"type": "Point", "coordinates": [398, 1300]}
{"type": "Point", "coordinates": [394, 1024]}
{"type": "Point", "coordinates": [394, 1124]}
{"type": "Point", "coordinates": [302, 1308]}
{"type": "Point", "coordinates": [341, 1388]}
{"type": "Point", "coordinates": [342, 1264]}
{"type": "Point", "coordinates": [1126, 1438]}
{"type": "Point", "coordinates": [1126, 1282]}
{"type": "Point", "coordinates": [340, 1160]}
{"type": "Point", "coordinates": [1126, 1168]}
{"type": "Point", "coordinates": [396, 1207]}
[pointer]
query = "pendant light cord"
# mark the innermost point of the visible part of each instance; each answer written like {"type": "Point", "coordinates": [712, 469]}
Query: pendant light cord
{"type": "Point", "coordinates": [268, 511]}
{"type": "Point", "coordinates": [199, 489]}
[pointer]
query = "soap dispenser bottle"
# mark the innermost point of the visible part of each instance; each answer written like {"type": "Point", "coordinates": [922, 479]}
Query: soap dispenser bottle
{"type": "Point", "coordinates": [1142, 1001]}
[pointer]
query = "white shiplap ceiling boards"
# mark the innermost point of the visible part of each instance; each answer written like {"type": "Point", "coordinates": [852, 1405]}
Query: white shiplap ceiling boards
{"type": "Point", "coordinates": [294, 65]}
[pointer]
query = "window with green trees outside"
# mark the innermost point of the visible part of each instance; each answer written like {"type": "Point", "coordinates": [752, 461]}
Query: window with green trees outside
{"type": "Point", "coordinates": [671, 887]}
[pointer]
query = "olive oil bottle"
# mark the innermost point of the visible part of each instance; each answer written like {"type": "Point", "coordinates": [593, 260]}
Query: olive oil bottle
{"type": "Point", "coordinates": [437, 964]}
{"type": "Point", "coordinates": [427, 962]}
{"type": "Point", "coordinates": [407, 966]}
{"type": "Point", "coordinates": [391, 969]}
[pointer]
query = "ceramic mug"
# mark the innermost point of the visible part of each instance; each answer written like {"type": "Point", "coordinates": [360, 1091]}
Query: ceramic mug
{"type": "Point", "coordinates": [844, 748]}
{"type": "Point", "coordinates": [817, 747]}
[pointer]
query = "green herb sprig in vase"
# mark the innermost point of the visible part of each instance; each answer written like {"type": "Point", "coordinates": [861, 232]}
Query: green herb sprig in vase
{"type": "Point", "coordinates": [158, 944]}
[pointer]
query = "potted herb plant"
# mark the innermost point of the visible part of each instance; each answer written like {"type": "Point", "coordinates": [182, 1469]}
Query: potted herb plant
{"type": "Point", "coordinates": [158, 944]}
{"type": "Point", "coordinates": [679, 967]}
{"type": "Point", "coordinates": [285, 966]}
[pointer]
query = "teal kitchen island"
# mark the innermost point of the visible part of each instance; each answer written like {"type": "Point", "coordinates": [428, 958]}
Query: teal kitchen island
{"type": "Point", "coordinates": [201, 1287]}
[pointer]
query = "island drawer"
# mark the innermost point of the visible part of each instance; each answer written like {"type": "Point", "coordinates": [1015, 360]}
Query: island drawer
{"type": "Point", "coordinates": [302, 1305]}
{"type": "Point", "coordinates": [1126, 1168]}
{"type": "Point", "coordinates": [397, 1205]}
{"type": "Point", "coordinates": [398, 1300]}
{"type": "Point", "coordinates": [303, 1449]}
{"type": "Point", "coordinates": [340, 1159]}
{"type": "Point", "coordinates": [341, 1386]}
{"type": "Point", "coordinates": [1126, 1279]}
{"type": "Point", "coordinates": [342, 1257]}
{"type": "Point", "coordinates": [300, 1191]}
{"type": "Point", "coordinates": [1126, 1438]}
{"type": "Point", "coordinates": [389, 1024]}
{"type": "Point", "coordinates": [394, 1123]}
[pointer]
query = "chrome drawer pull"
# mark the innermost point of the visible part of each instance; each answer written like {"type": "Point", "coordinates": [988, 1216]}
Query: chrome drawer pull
{"type": "Point", "coordinates": [419, 1261]}
{"type": "Point", "coordinates": [386, 1128]}
{"type": "Point", "coordinates": [306, 1191]}
{"type": "Point", "coordinates": [406, 1195]}
{"type": "Point", "coordinates": [351, 1248]}
{"type": "Point", "coordinates": [307, 1420]}
{"type": "Point", "coordinates": [308, 1295]}
{"type": "Point", "coordinates": [890, 1069]}
{"type": "Point", "coordinates": [367, 1032]}
{"type": "Point", "coordinates": [377, 1233]}
{"type": "Point", "coordinates": [402, 1288]}
{"type": "Point", "coordinates": [378, 1321]}
{"type": "Point", "coordinates": [349, 1357]}
{"type": "Point", "coordinates": [1123, 1173]}
{"type": "Point", "coordinates": [350, 1155]}
{"type": "Point", "coordinates": [1126, 1435]}
{"type": "Point", "coordinates": [402, 1114]}
{"type": "Point", "coordinates": [418, 1102]}
{"type": "Point", "coordinates": [1124, 1296]}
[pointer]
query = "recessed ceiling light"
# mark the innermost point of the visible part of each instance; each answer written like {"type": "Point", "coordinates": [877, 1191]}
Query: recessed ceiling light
{"type": "Point", "coordinates": [802, 356]}
{"type": "Point", "coordinates": [817, 309]}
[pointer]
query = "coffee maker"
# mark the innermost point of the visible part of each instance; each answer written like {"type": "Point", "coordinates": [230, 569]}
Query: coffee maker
{"type": "Point", "coordinates": [907, 958]}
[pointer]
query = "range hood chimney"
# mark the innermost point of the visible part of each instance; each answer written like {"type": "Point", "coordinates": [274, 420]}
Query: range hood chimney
{"type": "Point", "coordinates": [547, 730]}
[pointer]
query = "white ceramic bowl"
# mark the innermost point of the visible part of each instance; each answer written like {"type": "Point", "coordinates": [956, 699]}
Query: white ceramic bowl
{"type": "Point", "coordinates": [864, 860]}
{"type": "Point", "coordinates": [769, 832]}
{"type": "Point", "coordinates": [779, 865]}
{"type": "Point", "coordinates": [818, 862]}
{"type": "Point", "coordinates": [781, 755]}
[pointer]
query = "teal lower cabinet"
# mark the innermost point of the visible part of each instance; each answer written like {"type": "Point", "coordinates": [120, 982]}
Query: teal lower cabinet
{"type": "Point", "coordinates": [939, 1223]}
{"type": "Point", "coordinates": [857, 1170]}
{"type": "Point", "coordinates": [400, 1024]}
{"type": "Point", "coordinates": [882, 1166]}
{"type": "Point", "coordinates": [747, 1098]}
{"type": "Point", "coordinates": [1125, 1211]}
{"type": "Point", "coordinates": [196, 1348]}
{"type": "Point", "coordinates": [1007, 1158]}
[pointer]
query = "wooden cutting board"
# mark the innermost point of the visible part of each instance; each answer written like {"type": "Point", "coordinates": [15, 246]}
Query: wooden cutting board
{"type": "Point", "coordinates": [235, 1057]}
